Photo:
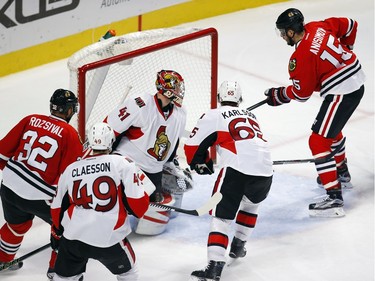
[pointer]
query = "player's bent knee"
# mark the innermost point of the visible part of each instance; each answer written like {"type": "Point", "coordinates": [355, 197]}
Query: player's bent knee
{"type": "Point", "coordinates": [20, 229]}
{"type": "Point", "coordinates": [319, 144]}
{"type": "Point", "coordinates": [131, 275]}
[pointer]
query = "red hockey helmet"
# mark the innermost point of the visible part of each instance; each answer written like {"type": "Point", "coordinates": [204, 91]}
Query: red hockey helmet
{"type": "Point", "coordinates": [170, 84]}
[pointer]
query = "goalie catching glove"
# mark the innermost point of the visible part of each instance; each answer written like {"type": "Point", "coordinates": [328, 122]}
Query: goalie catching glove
{"type": "Point", "coordinates": [204, 169]}
{"type": "Point", "coordinates": [173, 168]}
{"type": "Point", "coordinates": [276, 96]}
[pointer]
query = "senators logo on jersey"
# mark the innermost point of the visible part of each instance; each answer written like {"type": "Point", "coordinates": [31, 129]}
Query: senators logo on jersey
{"type": "Point", "coordinates": [161, 146]}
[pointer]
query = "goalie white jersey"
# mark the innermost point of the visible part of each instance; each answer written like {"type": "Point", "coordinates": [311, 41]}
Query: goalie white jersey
{"type": "Point", "coordinates": [238, 139]}
{"type": "Point", "coordinates": [102, 190]}
{"type": "Point", "coordinates": [149, 135]}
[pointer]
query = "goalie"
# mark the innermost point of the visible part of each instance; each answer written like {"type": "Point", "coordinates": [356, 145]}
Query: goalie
{"type": "Point", "coordinates": [148, 130]}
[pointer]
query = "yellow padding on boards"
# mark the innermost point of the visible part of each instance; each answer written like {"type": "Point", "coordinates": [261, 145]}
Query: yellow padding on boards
{"type": "Point", "coordinates": [64, 47]}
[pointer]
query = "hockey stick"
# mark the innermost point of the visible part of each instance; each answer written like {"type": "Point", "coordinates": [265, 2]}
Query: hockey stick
{"type": "Point", "coordinates": [311, 160]}
{"type": "Point", "coordinates": [16, 261]}
{"type": "Point", "coordinates": [208, 206]}
{"type": "Point", "coordinates": [250, 108]}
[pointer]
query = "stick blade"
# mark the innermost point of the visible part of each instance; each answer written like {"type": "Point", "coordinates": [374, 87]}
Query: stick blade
{"type": "Point", "coordinates": [214, 200]}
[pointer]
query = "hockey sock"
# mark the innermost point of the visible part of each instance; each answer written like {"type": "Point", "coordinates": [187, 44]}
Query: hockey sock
{"type": "Point", "coordinates": [218, 239]}
{"type": "Point", "coordinates": [340, 156]}
{"type": "Point", "coordinates": [246, 219]}
{"type": "Point", "coordinates": [321, 146]}
{"type": "Point", "coordinates": [52, 260]}
{"type": "Point", "coordinates": [11, 239]}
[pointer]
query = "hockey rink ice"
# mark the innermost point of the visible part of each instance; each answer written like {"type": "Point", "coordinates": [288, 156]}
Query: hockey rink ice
{"type": "Point", "coordinates": [286, 245]}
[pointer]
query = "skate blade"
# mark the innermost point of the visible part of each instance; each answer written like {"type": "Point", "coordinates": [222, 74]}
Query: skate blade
{"type": "Point", "coordinates": [328, 213]}
{"type": "Point", "coordinates": [230, 261]}
{"type": "Point", "coordinates": [194, 278]}
{"type": "Point", "coordinates": [347, 185]}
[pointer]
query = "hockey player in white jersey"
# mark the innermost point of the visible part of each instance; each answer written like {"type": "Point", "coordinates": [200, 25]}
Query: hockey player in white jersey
{"type": "Point", "coordinates": [244, 178]}
{"type": "Point", "coordinates": [148, 129]}
{"type": "Point", "coordinates": [90, 210]}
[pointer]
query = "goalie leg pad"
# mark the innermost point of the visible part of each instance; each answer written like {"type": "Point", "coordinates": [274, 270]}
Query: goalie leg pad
{"type": "Point", "coordinates": [154, 221]}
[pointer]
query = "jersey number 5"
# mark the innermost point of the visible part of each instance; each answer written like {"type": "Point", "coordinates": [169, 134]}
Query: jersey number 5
{"type": "Point", "coordinates": [338, 56]}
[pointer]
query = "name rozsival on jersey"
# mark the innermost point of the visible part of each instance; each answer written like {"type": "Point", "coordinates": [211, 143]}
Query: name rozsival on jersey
{"type": "Point", "coordinates": [53, 128]}
{"type": "Point", "coordinates": [91, 169]}
{"type": "Point", "coordinates": [236, 112]}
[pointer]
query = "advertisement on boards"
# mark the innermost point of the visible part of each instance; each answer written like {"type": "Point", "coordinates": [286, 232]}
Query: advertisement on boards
{"type": "Point", "coordinates": [25, 23]}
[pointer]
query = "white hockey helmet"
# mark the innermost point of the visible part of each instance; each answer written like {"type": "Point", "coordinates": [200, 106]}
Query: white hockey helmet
{"type": "Point", "coordinates": [230, 91]}
{"type": "Point", "coordinates": [101, 137]}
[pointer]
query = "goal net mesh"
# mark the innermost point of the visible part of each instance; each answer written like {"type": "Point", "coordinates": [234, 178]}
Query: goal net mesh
{"type": "Point", "coordinates": [107, 72]}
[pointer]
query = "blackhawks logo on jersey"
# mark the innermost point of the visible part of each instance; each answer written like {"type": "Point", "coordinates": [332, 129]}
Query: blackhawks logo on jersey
{"type": "Point", "coordinates": [292, 64]}
{"type": "Point", "coordinates": [161, 146]}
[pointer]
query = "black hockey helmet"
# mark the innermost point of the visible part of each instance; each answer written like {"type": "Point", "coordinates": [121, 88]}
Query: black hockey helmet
{"type": "Point", "coordinates": [290, 19]}
{"type": "Point", "coordinates": [62, 100]}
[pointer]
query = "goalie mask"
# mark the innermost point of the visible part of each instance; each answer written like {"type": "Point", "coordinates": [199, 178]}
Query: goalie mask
{"type": "Point", "coordinates": [101, 137]}
{"type": "Point", "coordinates": [230, 91]}
{"type": "Point", "coordinates": [170, 84]}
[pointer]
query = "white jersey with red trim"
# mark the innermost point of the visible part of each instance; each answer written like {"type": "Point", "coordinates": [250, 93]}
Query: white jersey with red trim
{"type": "Point", "coordinates": [34, 154]}
{"type": "Point", "coordinates": [149, 134]}
{"type": "Point", "coordinates": [238, 138]}
{"type": "Point", "coordinates": [102, 190]}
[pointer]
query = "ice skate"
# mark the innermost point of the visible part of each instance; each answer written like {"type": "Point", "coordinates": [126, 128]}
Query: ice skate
{"type": "Point", "coordinates": [50, 273]}
{"type": "Point", "coordinates": [13, 267]}
{"type": "Point", "coordinates": [211, 273]}
{"type": "Point", "coordinates": [344, 177]}
{"type": "Point", "coordinates": [330, 207]}
{"type": "Point", "coordinates": [237, 250]}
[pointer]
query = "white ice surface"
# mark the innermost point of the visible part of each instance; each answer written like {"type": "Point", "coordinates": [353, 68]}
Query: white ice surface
{"type": "Point", "coordinates": [287, 245]}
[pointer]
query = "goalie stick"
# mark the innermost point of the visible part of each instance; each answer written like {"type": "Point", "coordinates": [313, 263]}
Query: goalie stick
{"type": "Point", "coordinates": [16, 261]}
{"type": "Point", "coordinates": [311, 160]}
{"type": "Point", "coordinates": [208, 206]}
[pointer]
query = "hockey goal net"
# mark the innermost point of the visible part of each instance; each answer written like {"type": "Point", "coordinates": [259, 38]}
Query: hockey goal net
{"type": "Point", "coordinates": [107, 72]}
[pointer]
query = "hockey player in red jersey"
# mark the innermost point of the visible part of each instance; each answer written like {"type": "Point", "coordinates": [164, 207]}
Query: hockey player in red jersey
{"type": "Point", "coordinates": [244, 178]}
{"type": "Point", "coordinates": [91, 209]}
{"type": "Point", "coordinates": [323, 61]}
{"type": "Point", "coordinates": [32, 156]}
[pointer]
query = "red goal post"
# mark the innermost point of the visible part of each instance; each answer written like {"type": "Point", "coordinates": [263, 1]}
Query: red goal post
{"type": "Point", "coordinates": [107, 72]}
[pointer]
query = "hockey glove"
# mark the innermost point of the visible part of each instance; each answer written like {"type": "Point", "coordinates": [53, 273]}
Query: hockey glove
{"type": "Point", "coordinates": [205, 169]}
{"type": "Point", "coordinates": [276, 96]}
{"type": "Point", "coordinates": [55, 237]}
